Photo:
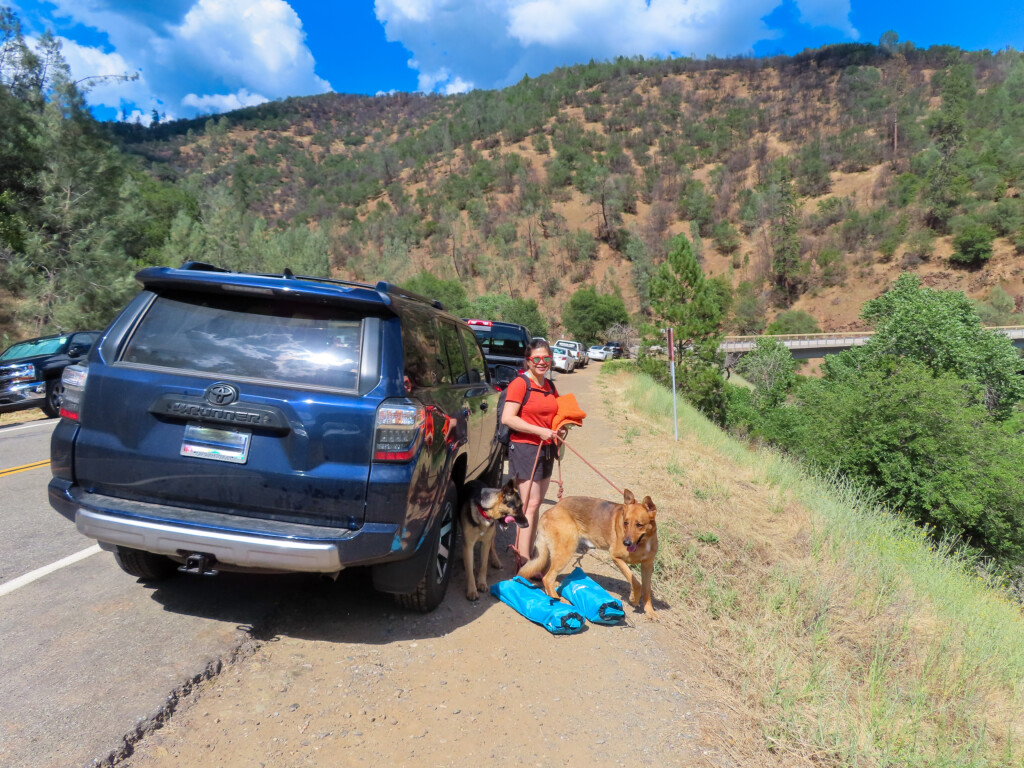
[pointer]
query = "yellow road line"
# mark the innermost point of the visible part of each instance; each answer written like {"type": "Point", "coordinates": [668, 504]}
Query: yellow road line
{"type": "Point", "coordinates": [23, 468]}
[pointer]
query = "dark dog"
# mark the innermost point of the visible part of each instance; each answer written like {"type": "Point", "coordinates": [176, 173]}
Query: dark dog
{"type": "Point", "coordinates": [483, 511]}
{"type": "Point", "coordinates": [626, 531]}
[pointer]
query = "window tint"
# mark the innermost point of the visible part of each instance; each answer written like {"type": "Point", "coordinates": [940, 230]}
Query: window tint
{"type": "Point", "coordinates": [420, 350]}
{"type": "Point", "coordinates": [477, 365]}
{"type": "Point", "coordinates": [452, 352]}
{"type": "Point", "coordinates": [251, 338]}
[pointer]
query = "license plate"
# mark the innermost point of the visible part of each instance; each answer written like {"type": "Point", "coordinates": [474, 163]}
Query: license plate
{"type": "Point", "coordinates": [216, 444]}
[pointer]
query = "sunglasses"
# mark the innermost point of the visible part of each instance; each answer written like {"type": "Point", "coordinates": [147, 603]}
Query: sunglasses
{"type": "Point", "coordinates": [540, 360]}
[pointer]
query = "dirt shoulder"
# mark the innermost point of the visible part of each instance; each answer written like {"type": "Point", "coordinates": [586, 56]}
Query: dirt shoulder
{"type": "Point", "coordinates": [349, 679]}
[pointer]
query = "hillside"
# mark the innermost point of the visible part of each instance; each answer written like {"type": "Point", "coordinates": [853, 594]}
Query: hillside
{"type": "Point", "coordinates": [581, 177]}
{"type": "Point", "coordinates": [806, 182]}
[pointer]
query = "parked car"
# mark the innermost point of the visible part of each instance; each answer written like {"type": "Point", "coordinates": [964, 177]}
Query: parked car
{"type": "Point", "coordinates": [563, 359]}
{"type": "Point", "coordinates": [578, 350]}
{"type": "Point", "coordinates": [615, 346]}
{"type": "Point", "coordinates": [231, 421]}
{"type": "Point", "coordinates": [598, 352]}
{"type": "Point", "coordinates": [502, 343]}
{"type": "Point", "coordinates": [30, 370]}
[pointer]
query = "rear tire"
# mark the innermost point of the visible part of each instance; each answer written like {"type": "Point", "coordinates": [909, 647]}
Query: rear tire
{"type": "Point", "coordinates": [54, 394]}
{"type": "Point", "coordinates": [431, 590]}
{"type": "Point", "coordinates": [144, 565]}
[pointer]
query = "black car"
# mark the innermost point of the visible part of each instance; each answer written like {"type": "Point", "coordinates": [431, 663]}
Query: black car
{"type": "Point", "coordinates": [503, 343]}
{"type": "Point", "coordinates": [616, 347]}
{"type": "Point", "coordinates": [30, 371]}
{"type": "Point", "coordinates": [230, 421]}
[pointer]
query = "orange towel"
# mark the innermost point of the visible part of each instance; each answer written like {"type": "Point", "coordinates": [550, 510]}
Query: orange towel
{"type": "Point", "coordinates": [569, 412]}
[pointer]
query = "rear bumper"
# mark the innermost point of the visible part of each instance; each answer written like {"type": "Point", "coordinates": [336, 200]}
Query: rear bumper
{"type": "Point", "coordinates": [245, 543]}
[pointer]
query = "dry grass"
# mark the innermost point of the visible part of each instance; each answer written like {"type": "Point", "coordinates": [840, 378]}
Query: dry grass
{"type": "Point", "coordinates": [845, 634]}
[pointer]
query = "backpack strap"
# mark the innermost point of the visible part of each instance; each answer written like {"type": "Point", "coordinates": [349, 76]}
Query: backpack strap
{"type": "Point", "coordinates": [529, 389]}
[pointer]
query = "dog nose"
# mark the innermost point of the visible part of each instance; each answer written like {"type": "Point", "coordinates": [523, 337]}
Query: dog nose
{"type": "Point", "coordinates": [627, 542]}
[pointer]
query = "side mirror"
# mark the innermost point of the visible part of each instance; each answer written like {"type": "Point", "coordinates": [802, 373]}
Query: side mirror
{"type": "Point", "coordinates": [503, 375]}
{"type": "Point", "coordinates": [77, 350]}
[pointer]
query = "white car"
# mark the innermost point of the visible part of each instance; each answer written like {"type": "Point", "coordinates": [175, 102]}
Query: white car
{"type": "Point", "coordinates": [563, 360]}
{"type": "Point", "coordinates": [598, 352]}
{"type": "Point", "coordinates": [579, 352]}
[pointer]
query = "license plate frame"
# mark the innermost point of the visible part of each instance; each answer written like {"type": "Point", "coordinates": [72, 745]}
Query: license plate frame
{"type": "Point", "coordinates": [202, 441]}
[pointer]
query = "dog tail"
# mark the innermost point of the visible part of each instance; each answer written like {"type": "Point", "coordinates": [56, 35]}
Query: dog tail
{"type": "Point", "coordinates": [535, 566]}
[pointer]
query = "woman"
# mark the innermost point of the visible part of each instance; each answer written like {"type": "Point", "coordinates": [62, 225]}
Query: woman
{"type": "Point", "coordinates": [530, 431]}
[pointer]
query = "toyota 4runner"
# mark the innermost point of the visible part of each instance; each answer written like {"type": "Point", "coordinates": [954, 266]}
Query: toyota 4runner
{"type": "Point", "coordinates": [279, 424]}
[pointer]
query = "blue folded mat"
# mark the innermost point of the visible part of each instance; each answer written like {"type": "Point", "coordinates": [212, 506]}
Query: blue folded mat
{"type": "Point", "coordinates": [530, 600]}
{"type": "Point", "coordinates": [591, 598]}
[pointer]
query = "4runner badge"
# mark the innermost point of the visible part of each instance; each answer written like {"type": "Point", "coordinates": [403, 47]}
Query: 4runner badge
{"type": "Point", "coordinates": [221, 394]}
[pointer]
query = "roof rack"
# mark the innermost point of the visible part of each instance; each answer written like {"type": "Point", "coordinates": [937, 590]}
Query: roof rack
{"type": "Point", "coordinates": [383, 286]}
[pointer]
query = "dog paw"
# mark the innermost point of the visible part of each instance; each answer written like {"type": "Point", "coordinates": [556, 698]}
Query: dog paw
{"type": "Point", "coordinates": [472, 594]}
{"type": "Point", "coordinates": [482, 586]}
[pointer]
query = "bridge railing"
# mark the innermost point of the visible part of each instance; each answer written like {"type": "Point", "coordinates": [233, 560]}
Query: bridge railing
{"type": "Point", "coordinates": [843, 340]}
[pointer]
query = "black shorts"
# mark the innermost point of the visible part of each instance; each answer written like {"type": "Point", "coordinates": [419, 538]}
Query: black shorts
{"type": "Point", "coordinates": [521, 457]}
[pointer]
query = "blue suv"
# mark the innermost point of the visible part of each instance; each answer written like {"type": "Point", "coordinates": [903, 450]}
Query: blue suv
{"type": "Point", "coordinates": [276, 423]}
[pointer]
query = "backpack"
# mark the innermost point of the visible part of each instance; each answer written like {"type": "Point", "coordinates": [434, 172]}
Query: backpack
{"type": "Point", "coordinates": [502, 433]}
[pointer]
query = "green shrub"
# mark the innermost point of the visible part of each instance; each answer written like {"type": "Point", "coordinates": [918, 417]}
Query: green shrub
{"type": "Point", "coordinates": [973, 244]}
{"type": "Point", "coordinates": [793, 321]}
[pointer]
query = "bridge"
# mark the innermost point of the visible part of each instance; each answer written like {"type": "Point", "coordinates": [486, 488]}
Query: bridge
{"type": "Point", "coordinates": [805, 346]}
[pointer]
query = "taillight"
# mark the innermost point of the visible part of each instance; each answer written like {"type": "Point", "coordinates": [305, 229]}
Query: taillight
{"type": "Point", "coordinates": [398, 431]}
{"type": "Point", "coordinates": [73, 381]}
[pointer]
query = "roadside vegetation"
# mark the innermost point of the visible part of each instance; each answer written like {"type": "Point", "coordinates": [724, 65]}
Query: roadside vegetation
{"type": "Point", "coordinates": [851, 635]}
{"type": "Point", "coordinates": [791, 175]}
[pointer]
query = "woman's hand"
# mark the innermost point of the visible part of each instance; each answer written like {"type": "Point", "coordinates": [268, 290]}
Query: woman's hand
{"type": "Point", "coordinates": [546, 434]}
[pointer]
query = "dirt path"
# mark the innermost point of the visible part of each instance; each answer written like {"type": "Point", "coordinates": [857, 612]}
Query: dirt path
{"type": "Point", "coordinates": [349, 679]}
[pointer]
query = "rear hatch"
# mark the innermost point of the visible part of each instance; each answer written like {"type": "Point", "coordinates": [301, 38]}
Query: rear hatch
{"type": "Point", "coordinates": [502, 343]}
{"type": "Point", "coordinates": [256, 405]}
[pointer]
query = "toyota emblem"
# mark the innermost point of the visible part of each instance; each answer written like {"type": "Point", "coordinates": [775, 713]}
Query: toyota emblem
{"type": "Point", "coordinates": [221, 394]}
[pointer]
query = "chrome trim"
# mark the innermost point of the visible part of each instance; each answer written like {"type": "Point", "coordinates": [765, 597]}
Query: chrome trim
{"type": "Point", "coordinates": [274, 553]}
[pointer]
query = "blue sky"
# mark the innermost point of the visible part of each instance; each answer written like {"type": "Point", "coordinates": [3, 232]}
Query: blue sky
{"type": "Point", "coordinates": [198, 57]}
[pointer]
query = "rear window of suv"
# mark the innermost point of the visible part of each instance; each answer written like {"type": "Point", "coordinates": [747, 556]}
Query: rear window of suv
{"type": "Point", "coordinates": [495, 340]}
{"type": "Point", "coordinates": [251, 338]}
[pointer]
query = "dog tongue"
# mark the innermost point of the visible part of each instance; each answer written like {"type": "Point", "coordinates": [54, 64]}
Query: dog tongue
{"type": "Point", "coordinates": [509, 519]}
{"type": "Point", "coordinates": [631, 547]}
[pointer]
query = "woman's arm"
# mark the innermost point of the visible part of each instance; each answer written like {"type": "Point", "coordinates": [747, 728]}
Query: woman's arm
{"type": "Point", "coordinates": [510, 418]}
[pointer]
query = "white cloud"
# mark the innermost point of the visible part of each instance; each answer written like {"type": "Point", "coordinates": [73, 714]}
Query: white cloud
{"type": "Point", "coordinates": [223, 102]}
{"type": "Point", "coordinates": [827, 13]}
{"type": "Point", "coordinates": [493, 43]}
{"type": "Point", "coordinates": [234, 52]}
{"type": "Point", "coordinates": [457, 85]}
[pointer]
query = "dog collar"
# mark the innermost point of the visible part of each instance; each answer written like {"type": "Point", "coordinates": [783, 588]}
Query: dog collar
{"type": "Point", "coordinates": [483, 513]}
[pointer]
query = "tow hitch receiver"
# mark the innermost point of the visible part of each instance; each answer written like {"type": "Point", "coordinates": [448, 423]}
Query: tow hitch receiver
{"type": "Point", "coordinates": [199, 563]}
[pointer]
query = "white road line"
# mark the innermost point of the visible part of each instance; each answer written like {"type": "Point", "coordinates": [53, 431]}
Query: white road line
{"type": "Point", "coordinates": [30, 425]}
{"type": "Point", "coordinates": [38, 573]}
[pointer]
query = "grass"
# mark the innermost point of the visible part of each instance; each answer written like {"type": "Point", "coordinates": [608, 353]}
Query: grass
{"type": "Point", "coordinates": [849, 634]}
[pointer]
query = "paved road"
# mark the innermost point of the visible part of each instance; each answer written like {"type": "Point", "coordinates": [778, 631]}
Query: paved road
{"type": "Point", "coordinates": [90, 654]}
{"type": "Point", "coordinates": [88, 651]}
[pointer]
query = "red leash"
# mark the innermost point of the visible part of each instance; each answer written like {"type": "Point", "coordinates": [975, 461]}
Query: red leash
{"type": "Point", "coordinates": [566, 444]}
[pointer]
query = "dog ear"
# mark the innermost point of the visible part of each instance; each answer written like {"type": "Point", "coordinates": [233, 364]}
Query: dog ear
{"type": "Point", "coordinates": [628, 497]}
{"type": "Point", "coordinates": [510, 486]}
{"type": "Point", "coordinates": [649, 505]}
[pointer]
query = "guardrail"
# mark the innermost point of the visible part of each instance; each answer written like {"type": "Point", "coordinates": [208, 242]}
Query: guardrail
{"type": "Point", "coordinates": [810, 345]}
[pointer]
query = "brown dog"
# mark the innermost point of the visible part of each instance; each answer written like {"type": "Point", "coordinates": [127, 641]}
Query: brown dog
{"type": "Point", "coordinates": [485, 510]}
{"type": "Point", "coordinates": [626, 531]}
